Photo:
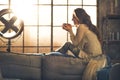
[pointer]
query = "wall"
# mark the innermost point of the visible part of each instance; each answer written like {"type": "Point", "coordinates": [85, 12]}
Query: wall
{"type": "Point", "coordinates": [107, 7]}
{"type": "Point", "coordinates": [109, 25]}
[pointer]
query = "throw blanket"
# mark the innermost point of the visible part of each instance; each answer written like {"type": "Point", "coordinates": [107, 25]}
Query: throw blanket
{"type": "Point", "coordinates": [93, 66]}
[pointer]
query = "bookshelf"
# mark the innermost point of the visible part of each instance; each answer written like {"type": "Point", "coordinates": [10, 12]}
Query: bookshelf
{"type": "Point", "coordinates": [111, 36]}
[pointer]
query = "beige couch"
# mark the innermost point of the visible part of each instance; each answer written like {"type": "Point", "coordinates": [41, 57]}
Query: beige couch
{"type": "Point", "coordinates": [50, 67]}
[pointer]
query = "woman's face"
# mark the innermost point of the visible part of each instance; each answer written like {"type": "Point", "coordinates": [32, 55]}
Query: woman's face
{"type": "Point", "coordinates": [75, 20]}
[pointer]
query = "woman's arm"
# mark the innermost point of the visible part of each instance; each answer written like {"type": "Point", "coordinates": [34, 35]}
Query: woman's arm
{"type": "Point", "coordinates": [76, 39]}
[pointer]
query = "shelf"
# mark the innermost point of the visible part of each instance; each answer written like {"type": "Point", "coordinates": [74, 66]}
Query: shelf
{"type": "Point", "coordinates": [115, 61]}
{"type": "Point", "coordinates": [113, 16]}
{"type": "Point", "coordinates": [115, 42]}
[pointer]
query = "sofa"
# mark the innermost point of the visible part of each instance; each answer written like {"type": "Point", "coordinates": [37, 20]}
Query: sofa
{"type": "Point", "coordinates": [40, 67]}
{"type": "Point", "coordinates": [27, 66]}
{"type": "Point", "coordinates": [115, 72]}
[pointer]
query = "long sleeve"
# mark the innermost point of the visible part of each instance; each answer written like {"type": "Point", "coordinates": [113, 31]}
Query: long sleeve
{"type": "Point", "coordinates": [76, 39]}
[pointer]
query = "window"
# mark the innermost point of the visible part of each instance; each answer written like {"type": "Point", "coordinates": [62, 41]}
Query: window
{"type": "Point", "coordinates": [43, 19]}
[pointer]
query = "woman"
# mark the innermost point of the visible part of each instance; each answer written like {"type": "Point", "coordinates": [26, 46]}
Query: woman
{"type": "Point", "coordinates": [86, 42]}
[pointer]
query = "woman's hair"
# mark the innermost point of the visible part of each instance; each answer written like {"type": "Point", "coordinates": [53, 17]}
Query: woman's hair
{"type": "Point", "coordinates": [85, 19]}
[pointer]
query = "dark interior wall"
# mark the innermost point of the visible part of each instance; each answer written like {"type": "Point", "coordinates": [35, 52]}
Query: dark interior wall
{"type": "Point", "coordinates": [102, 11]}
{"type": "Point", "coordinates": [109, 22]}
{"type": "Point", "coordinates": [107, 7]}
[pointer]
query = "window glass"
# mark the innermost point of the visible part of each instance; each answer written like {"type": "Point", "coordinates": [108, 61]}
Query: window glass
{"type": "Point", "coordinates": [44, 49]}
{"type": "Point", "coordinates": [44, 35]}
{"type": "Point", "coordinates": [44, 15]}
{"type": "Point", "coordinates": [75, 2]}
{"type": "Point", "coordinates": [44, 1]}
{"type": "Point", "coordinates": [3, 42]}
{"type": "Point", "coordinates": [22, 2]}
{"type": "Point", "coordinates": [59, 1]}
{"type": "Point", "coordinates": [59, 36]}
{"type": "Point", "coordinates": [59, 15]}
{"type": "Point", "coordinates": [89, 2]}
{"type": "Point", "coordinates": [3, 7]}
{"type": "Point", "coordinates": [3, 48]}
{"type": "Point", "coordinates": [18, 41]}
{"type": "Point", "coordinates": [4, 1]}
{"type": "Point", "coordinates": [17, 49]}
{"type": "Point", "coordinates": [30, 36]}
{"type": "Point", "coordinates": [30, 49]}
{"type": "Point", "coordinates": [29, 16]}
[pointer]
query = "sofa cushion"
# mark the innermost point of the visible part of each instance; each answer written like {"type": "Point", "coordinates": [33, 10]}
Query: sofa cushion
{"type": "Point", "coordinates": [12, 71]}
{"type": "Point", "coordinates": [21, 59]}
{"type": "Point", "coordinates": [26, 66]}
{"type": "Point", "coordinates": [62, 68]}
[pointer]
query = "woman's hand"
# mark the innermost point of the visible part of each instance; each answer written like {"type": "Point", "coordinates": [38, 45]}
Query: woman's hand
{"type": "Point", "coordinates": [83, 54]}
{"type": "Point", "coordinates": [67, 26]}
